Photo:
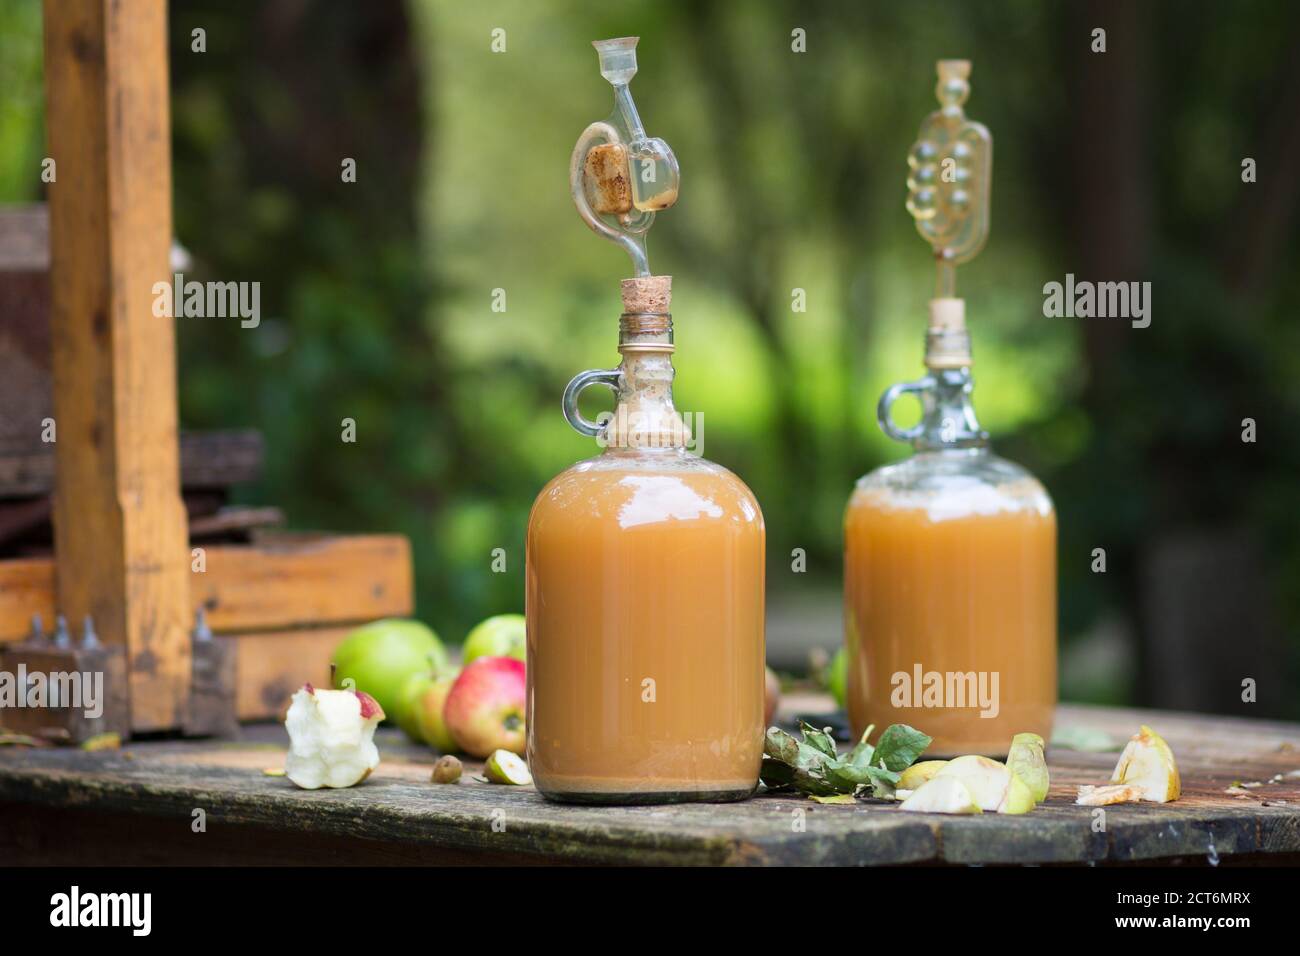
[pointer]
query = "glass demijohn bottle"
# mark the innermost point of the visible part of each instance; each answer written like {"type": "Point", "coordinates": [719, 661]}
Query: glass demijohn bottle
{"type": "Point", "coordinates": [950, 554]}
{"type": "Point", "coordinates": [645, 563]}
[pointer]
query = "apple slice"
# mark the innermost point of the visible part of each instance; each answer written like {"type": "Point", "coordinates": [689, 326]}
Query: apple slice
{"type": "Point", "coordinates": [1019, 797]}
{"type": "Point", "coordinates": [941, 795]}
{"type": "Point", "coordinates": [1026, 761]}
{"type": "Point", "coordinates": [1148, 763]}
{"type": "Point", "coordinates": [987, 780]}
{"type": "Point", "coordinates": [1090, 796]}
{"type": "Point", "coordinates": [505, 767]}
{"type": "Point", "coordinates": [919, 773]}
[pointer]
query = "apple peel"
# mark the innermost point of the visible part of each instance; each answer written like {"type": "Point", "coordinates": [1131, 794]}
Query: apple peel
{"type": "Point", "coordinates": [1148, 763]}
{"type": "Point", "coordinates": [1026, 760]}
{"type": "Point", "coordinates": [1090, 796]}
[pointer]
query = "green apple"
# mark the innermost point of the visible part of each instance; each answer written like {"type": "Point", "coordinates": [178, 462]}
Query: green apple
{"type": "Point", "coordinates": [1025, 760]}
{"type": "Point", "coordinates": [499, 636]}
{"type": "Point", "coordinates": [429, 707]}
{"type": "Point", "coordinates": [408, 712]}
{"type": "Point", "coordinates": [836, 676]}
{"type": "Point", "coordinates": [380, 657]}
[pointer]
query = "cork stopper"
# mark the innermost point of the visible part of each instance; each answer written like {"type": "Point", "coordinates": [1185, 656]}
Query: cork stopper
{"type": "Point", "coordinates": [648, 294]}
{"type": "Point", "coordinates": [948, 315]}
{"type": "Point", "coordinates": [947, 343]}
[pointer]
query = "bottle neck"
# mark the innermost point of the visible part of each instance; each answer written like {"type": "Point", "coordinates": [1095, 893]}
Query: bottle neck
{"type": "Point", "coordinates": [947, 413]}
{"type": "Point", "coordinates": [948, 419]}
{"type": "Point", "coordinates": [644, 416]}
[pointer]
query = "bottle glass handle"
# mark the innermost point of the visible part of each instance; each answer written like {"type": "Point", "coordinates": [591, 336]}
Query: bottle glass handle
{"type": "Point", "coordinates": [885, 408]}
{"type": "Point", "coordinates": [593, 376]}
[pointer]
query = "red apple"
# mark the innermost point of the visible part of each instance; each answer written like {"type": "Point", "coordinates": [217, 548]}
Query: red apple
{"type": "Point", "coordinates": [485, 707]}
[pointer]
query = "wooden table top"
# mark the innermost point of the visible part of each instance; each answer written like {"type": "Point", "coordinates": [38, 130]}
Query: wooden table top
{"type": "Point", "coordinates": [399, 816]}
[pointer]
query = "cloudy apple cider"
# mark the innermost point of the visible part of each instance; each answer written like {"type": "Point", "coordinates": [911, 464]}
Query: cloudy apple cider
{"type": "Point", "coordinates": [950, 603]}
{"type": "Point", "coordinates": [645, 602]}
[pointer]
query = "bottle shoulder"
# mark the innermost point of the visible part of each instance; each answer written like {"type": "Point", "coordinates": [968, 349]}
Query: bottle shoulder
{"type": "Point", "coordinates": [636, 489]}
{"type": "Point", "coordinates": [953, 483]}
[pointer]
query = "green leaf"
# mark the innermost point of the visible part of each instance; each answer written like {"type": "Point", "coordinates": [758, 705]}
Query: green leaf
{"type": "Point", "coordinates": [818, 739]}
{"type": "Point", "coordinates": [883, 782]}
{"type": "Point", "coordinates": [881, 775]}
{"type": "Point", "coordinates": [779, 745]}
{"type": "Point", "coordinates": [846, 777]}
{"type": "Point", "coordinates": [860, 756]}
{"type": "Point", "coordinates": [812, 766]}
{"type": "Point", "coordinates": [899, 746]}
{"type": "Point", "coordinates": [775, 774]}
{"type": "Point", "coordinates": [815, 781]}
{"type": "Point", "coordinates": [845, 798]}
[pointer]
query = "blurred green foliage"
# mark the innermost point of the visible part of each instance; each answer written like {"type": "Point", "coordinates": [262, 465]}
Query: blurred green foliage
{"type": "Point", "coordinates": [377, 295]}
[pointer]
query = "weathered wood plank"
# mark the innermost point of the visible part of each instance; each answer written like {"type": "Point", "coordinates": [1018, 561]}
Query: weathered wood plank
{"type": "Point", "coordinates": [36, 835]}
{"type": "Point", "coordinates": [215, 459]}
{"type": "Point", "coordinates": [119, 521]}
{"type": "Point", "coordinates": [398, 807]}
{"type": "Point", "coordinates": [284, 582]}
{"type": "Point", "coordinates": [26, 588]}
{"type": "Point", "coordinates": [296, 581]}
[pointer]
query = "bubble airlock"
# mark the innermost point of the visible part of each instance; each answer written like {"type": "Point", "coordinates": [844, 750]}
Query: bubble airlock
{"type": "Point", "coordinates": [949, 172]}
{"type": "Point", "coordinates": [619, 176]}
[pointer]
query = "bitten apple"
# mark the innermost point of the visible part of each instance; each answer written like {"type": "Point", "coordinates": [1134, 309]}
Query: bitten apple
{"type": "Point", "coordinates": [331, 737]}
{"type": "Point", "coordinates": [485, 709]}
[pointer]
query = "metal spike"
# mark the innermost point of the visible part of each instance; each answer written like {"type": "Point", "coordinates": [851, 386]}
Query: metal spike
{"type": "Point", "coordinates": [89, 639]}
{"type": "Point", "coordinates": [61, 636]}
{"type": "Point", "coordinates": [38, 628]}
{"type": "Point", "coordinates": [201, 630]}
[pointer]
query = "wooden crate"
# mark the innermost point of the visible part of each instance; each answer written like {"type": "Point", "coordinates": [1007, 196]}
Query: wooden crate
{"type": "Point", "coordinates": [287, 601]}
